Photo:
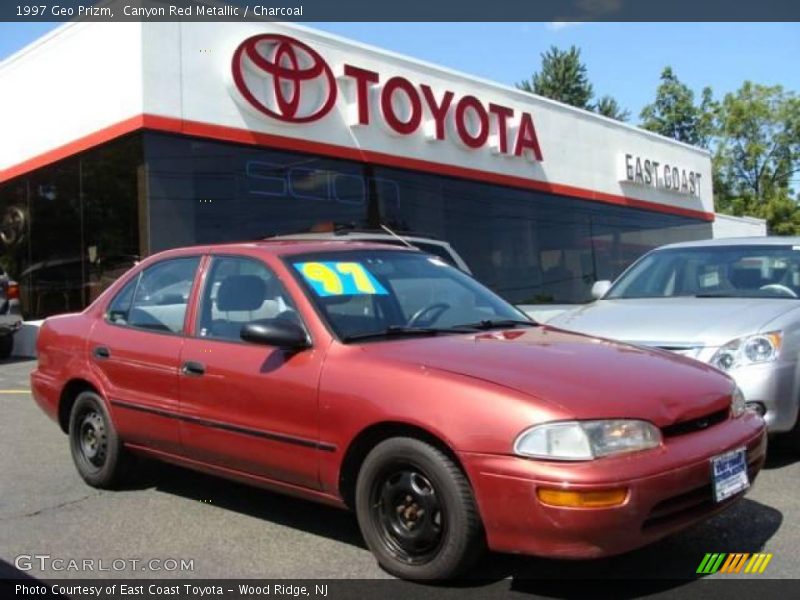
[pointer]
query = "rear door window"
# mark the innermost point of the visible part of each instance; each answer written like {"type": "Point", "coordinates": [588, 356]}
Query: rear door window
{"type": "Point", "coordinates": [157, 299]}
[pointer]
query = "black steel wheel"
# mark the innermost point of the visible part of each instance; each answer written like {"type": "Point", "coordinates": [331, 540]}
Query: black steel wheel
{"type": "Point", "coordinates": [97, 451]}
{"type": "Point", "coordinates": [92, 439]}
{"type": "Point", "coordinates": [416, 511]}
{"type": "Point", "coordinates": [407, 513]}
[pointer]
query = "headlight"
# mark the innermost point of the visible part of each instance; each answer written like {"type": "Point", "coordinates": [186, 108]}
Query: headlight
{"type": "Point", "coordinates": [738, 404]}
{"type": "Point", "coordinates": [749, 350]}
{"type": "Point", "coordinates": [586, 440]}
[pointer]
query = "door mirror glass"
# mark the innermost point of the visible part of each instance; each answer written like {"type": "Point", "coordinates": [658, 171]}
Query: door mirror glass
{"type": "Point", "coordinates": [600, 288]}
{"type": "Point", "coordinates": [275, 332]}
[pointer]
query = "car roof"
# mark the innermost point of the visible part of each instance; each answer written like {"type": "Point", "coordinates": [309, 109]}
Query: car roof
{"type": "Point", "coordinates": [741, 241]}
{"type": "Point", "coordinates": [359, 234]}
{"type": "Point", "coordinates": [287, 247]}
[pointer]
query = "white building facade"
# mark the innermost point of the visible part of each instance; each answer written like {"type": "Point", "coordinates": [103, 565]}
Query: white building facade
{"type": "Point", "coordinates": [122, 139]}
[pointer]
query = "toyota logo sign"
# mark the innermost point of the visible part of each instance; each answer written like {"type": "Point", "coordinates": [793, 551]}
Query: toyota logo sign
{"type": "Point", "coordinates": [288, 81]}
{"type": "Point", "coordinates": [284, 78]}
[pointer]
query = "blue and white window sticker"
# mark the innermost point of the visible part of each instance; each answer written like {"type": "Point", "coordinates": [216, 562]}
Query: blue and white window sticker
{"type": "Point", "coordinates": [332, 278]}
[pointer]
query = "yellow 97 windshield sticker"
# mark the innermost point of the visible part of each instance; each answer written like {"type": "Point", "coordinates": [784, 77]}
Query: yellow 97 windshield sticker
{"type": "Point", "coordinates": [340, 279]}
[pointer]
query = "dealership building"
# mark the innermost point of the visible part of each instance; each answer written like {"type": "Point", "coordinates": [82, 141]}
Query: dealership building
{"type": "Point", "coordinates": [123, 139]}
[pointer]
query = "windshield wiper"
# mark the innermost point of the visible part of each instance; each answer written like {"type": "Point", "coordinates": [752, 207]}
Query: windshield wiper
{"type": "Point", "coordinates": [499, 323]}
{"type": "Point", "coordinates": [399, 330]}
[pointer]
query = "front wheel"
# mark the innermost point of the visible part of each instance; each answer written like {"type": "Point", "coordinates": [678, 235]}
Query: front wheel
{"type": "Point", "coordinates": [97, 451]}
{"type": "Point", "coordinates": [416, 511]}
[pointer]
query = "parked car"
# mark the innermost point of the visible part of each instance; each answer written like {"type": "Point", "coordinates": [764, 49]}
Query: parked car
{"type": "Point", "coordinates": [383, 380]}
{"type": "Point", "coordinates": [428, 244]}
{"type": "Point", "coordinates": [10, 313]}
{"type": "Point", "coordinates": [731, 303]}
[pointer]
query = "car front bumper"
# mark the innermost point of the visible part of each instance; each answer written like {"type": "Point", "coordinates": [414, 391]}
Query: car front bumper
{"type": "Point", "coordinates": [669, 488]}
{"type": "Point", "coordinates": [774, 385]}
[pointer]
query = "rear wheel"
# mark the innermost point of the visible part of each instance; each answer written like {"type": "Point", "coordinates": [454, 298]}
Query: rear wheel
{"type": "Point", "coordinates": [97, 451]}
{"type": "Point", "coordinates": [416, 511]}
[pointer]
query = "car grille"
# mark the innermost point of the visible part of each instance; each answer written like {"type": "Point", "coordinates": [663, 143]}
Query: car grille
{"type": "Point", "coordinates": [679, 349]}
{"type": "Point", "coordinates": [690, 349]}
{"type": "Point", "coordinates": [692, 504]}
{"type": "Point", "coordinates": [697, 424]}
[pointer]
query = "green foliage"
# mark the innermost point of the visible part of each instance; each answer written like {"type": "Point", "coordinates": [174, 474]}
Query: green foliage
{"type": "Point", "coordinates": [757, 155]}
{"type": "Point", "coordinates": [753, 133]}
{"type": "Point", "coordinates": [563, 77]}
{"type": "Point", "coordinates": [609, 107]}
{"type": "Point", "coordinates": [759, 140]}
{"type": "Point", "coordinates": [674, 113]}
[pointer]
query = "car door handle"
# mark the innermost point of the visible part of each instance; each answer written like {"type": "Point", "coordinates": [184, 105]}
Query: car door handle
{"type": "Point", "coordinates": [194, 369]}
{"type": "Point", "coordinates": [101, 352]}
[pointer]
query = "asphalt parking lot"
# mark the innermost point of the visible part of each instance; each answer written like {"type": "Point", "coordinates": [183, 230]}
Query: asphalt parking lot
{"type": "Point", "coordinates": [234, 531]}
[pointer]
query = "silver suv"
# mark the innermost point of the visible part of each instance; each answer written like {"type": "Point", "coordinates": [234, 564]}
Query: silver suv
{"type": "Point", "coordinates": [10, 314]}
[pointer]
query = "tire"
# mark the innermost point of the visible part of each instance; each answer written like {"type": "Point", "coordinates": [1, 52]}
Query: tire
{"type": "Point", "coordinates": [6, 346]}
{"type": "Point", "coordinates": [96, 449]}
{"type": "Point", "coordinates": [416, 511]}
{"type": "Point", "coordinates": [790, 441]}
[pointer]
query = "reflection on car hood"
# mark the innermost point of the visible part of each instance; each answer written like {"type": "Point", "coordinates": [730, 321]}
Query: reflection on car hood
{"type": "Point", "coordinates": [699, 321]}
{"type": "Point", "coordinates": [586, 377]}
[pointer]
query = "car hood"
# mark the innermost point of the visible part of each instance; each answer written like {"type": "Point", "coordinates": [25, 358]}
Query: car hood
{"type": "Point", "coordinates": [584, 377]}
{"type": "Point", "coordinates": [675, 321]}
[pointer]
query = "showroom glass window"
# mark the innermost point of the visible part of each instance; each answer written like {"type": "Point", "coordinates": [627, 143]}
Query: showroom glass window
{"type": "Point", "coordinates": [530, 247]}
{"type": "Point", "coordinates": [71, 228]}
{"type": "Point", "coordinates": [205, 192]}
{"type": "Point", "coordinates": [68, 230]}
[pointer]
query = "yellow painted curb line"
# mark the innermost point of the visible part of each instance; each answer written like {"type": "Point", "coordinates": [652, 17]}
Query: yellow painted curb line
{"type": "Point", "coordinates": [15, 391]}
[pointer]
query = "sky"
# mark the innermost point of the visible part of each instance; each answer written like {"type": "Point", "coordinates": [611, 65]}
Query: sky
{"type": "Point", "coordinates": [623, 59]}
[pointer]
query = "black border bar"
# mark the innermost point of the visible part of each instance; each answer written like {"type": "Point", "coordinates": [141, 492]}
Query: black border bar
{"type": "Point", "coordinates": [358, 589]}
{"type": "Point", "coordinates": [405, 10]}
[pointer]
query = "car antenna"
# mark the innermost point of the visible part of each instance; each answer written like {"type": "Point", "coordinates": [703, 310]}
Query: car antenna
{"type": "Point", "coordinates": [394, 235]}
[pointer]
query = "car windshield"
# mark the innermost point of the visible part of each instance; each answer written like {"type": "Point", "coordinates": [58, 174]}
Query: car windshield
{"type": "Point", "coordinates": [387, 293]}
{"type": "Point", "coordinates": [713, 272]}
{"type": "Point", "coordinates": [434, 249]}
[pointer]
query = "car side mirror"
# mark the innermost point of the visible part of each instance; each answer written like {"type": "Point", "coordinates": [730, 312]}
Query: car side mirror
{"type": "Point", "coordinates": [283, 334]}
{"type": "Point", "coordinates": [600, 288]}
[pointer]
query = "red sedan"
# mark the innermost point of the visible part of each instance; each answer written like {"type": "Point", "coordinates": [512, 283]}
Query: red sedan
{"type": "Point", "coordinates": [383, 380]}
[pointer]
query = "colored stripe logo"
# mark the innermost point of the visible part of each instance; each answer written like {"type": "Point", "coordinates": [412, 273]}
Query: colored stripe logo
{"type": "Point", "coordinates": [722, 562]}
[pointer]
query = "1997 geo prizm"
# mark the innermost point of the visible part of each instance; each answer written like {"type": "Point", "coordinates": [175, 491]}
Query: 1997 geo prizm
{"type": "Point", "coordinates": [383, 380]}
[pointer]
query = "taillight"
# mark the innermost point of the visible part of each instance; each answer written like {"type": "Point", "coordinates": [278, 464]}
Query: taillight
{"type": "Point", "coordinates": [12, 291]}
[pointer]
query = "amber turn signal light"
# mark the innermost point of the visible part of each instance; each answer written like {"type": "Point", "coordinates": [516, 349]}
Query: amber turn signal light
{"type": "Point", "coordinates": [577, 499]}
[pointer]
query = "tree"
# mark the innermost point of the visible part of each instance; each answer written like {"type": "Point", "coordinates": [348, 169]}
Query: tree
{"type": "Point", "coordinates": [609, 107]}
{"type": "Point", "coordinates": [674, 113]}
{"type": "Point", "coordinates": [759, 146]}
{"type": "Point", "coordinates": [758, 154]}
{"type": "Point", "coordinates": [562, 77]}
